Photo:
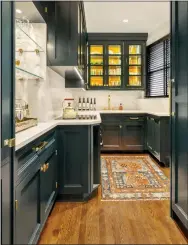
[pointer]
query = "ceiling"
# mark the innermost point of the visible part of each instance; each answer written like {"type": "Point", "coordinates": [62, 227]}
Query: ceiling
{"type": "Point", "coordinates": [142, 16]}
{"type": "Point", "coordinates": [29, 11]}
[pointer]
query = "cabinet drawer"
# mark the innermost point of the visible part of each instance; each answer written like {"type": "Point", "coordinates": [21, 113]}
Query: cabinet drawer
{"type": "Point", "coordinates": [111, 118]}
{"type": "Point", "coordinates": [133, 118]}
{"type": "Point", "coordinates": [27, 162]}
{"type": "Point", "coordinates": [48, 150]}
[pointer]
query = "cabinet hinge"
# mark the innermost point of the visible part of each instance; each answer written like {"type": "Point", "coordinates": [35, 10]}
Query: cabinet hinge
{"type": "Point", "coordinates": [16, 204]}
{"type": "Point", "coordinates": [46, 10]}
{"type": "Point", "coordinates": [56, 152]}
{"type": "Point", "coordinates": [56, 184]}
{"type": "Point", "coordinates": [10, 142]}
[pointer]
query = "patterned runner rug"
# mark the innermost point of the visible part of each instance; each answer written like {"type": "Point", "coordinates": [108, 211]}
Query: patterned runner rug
{"type": "Point", "coordinates": [129, 178]}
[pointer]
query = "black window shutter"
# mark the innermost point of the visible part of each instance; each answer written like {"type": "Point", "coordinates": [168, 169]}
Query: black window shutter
{"type": "Point", "coordinates": [158, 68]}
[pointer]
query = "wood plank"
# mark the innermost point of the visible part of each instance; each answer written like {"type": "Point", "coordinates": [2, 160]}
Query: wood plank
{"type": "Point", "coordinates": [109, 222]}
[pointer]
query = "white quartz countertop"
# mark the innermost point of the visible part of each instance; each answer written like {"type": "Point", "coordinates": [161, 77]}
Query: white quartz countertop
{"type": "Point", "coordinates": [25, 137]}
{"type": "Point", "coordinates": [159, 114]}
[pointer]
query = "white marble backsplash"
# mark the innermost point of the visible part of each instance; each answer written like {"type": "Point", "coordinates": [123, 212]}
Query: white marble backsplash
{"type": "Point", "coordinates": [127, 98]}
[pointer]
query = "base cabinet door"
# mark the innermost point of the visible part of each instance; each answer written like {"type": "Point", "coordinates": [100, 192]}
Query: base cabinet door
{"type": "Point", "coordinates": [48, 185]}
{"type": "Point", "coordinates": [133, 136]}
{"type": "Point", "coordinates": [74, 159]}
{"type": "Point", "coordinates": [27, 208]}
{"type": "Point", "coordinates": [112, 136]}
{"type": "Point", "coordinates": [153, 136]}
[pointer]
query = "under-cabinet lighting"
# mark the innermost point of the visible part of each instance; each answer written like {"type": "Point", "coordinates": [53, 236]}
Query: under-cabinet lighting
{"type": "Point", "coordinates": [76, 70]}
{"type": "Point", "coordinates": [125, 20]}
{"type": "Point", "coordinates": [18, 11]}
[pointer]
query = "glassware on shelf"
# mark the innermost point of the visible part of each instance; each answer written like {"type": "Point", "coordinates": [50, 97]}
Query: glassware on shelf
{"type": "Point", "coordinates": [22, 74]}
{"type": "Point", "coordinates": [114, 60]}
{"type": "Point", "coordinates": [25, 38]}
{"type": "Point", "coordinates": [96, 71]}
{"type": "Point", "coordinates": [96, 81]}
{"type": "Point", "coordinates": [134, 49]}
{"type": "Point", "coordinates": [96, 49]}
{"type": "Point", "coordinates": [114, 81]}
{"type": "Point", "coordinates": [135, 60]}
{"type": "Point", "coordinates": [114, 70]}
{"type": "Point", "coordinates": [114, 49]}
{"type": "Point", "coordinates": [96, 60]}
{"type": "Point", "coordinates": [134, 81]}
{"type": "Point", "coordinates": [134, 70]}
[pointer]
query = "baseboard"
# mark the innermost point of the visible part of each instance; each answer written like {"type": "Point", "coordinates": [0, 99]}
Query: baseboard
{"type": "Point", "coordinates": [180, 225]}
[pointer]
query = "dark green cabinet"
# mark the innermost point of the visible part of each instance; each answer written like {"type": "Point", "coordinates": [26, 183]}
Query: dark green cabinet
{"type": "Point", "coordinates": [158, 138]}
{"type": "Point", "coordinates": [153, 136]}
{"type": "Point", "coordinates": [112, 135]}
{"type": "Point", "coordinates": [74, 162]}
{"type": "Point", "coordinates": [179, 74]}
{"type": "Point", "coordinates": [116, 62]}
{"type": "Point", "coordinates": [48, 185]}
{"type": "Point", "coordinates": [27, 206]}
{"type": "Point", "coordinates": [133, 134]}
{"type": "Point", "coordinates": [66, 34]}
{"type": "Point", "coordinates": [7, 118]}
{"type": "Point", "coordinates": [79, 160]}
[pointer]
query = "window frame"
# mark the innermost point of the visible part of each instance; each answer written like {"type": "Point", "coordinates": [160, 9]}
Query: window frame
{"type": "Point", "coordinates": [165, 67]}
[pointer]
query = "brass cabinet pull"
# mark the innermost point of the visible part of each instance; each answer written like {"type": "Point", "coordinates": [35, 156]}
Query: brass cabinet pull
{"type": "Point", "coordinates": [40, 147]}
{"type": "Point", "coordinates": [43, 168]}
{"type": "Point", "coordinates": [47, 166]}
{"type": "Point", "coordinates": [134, 118]}
{"type": "Point", "coordinates": [120, 126]}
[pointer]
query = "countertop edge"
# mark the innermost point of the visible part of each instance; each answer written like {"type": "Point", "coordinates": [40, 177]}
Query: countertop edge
{"type": "Point", "coordinates": [41, 129]}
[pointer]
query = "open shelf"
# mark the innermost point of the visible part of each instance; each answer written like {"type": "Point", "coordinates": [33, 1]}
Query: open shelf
{"type": "Point", "coordinates": [31, 43]}
{"type": "Point", "coordinates": [23, 74]}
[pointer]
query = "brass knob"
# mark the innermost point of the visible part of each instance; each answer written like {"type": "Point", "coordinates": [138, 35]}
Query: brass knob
{"type": "Point", "coordinates": [47, 166]}
{"type": "Point", "coordinates": [120, 126]}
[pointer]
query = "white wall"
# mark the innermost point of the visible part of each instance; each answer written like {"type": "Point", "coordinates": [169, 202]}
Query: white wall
{"type": "Point", "coordinates": [154, 104]}
{"type": "Point", "coordinates": [159, 32]}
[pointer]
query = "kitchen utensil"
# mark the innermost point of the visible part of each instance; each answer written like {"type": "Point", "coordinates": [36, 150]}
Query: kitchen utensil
{"type": "Point", "coordinates": [69, 110]}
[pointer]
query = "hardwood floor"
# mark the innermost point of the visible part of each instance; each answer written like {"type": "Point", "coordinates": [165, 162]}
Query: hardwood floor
{"type": "Point", "coordinates": [108, 222]}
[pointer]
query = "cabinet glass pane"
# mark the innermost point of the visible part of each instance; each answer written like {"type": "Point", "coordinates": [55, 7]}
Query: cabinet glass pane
{"type": "Point", "coordinates": [134, 81]}
{"type": "Point", "coordinates": [114, 60]}
{"type": "Point", "coordinates": [96, 70]}
{"type": "Point", "coordinates": [114, 49]}
{"type": "Point", "coordinates": [96, 49]}
{"type": "Point", "coordinates": [114, 70]}
{"type": "Point", "coordinates": [114, 81]}
{"type": "Point", "coordinates": [134, 70]}
{"type": "Point", "coordinates": [135, 60]}
{"type": "Point", "coordinates": [134, 49]}
{"type": "Point", "coordinates": [96, 60]}
{"type": "Point", "coordinates": [96, 81]}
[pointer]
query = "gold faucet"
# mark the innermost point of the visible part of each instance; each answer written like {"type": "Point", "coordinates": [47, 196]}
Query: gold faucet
{"type": "Point", "coordinates": [109, 102]}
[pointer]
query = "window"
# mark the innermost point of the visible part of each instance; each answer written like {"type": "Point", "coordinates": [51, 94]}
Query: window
{"type": "Point", "coordinates": [158, 68]}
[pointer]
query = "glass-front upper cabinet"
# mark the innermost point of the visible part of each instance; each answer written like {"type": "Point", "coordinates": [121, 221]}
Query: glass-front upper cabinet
{"type": "Point", "coordinates": [96, 65]}
{"type": "Point", "coordinates": [135, 53]}
{"type": "Point", "coordinates": [114, 61]}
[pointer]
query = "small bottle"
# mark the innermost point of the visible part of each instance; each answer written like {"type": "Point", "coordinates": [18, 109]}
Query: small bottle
{"type": "Point", "coordinates": [83, 104]}
{"type": "Point", "coordinates": [91, 105]}
{"type": "Point", "coordinates": [79, 104]}
{"type": "Point", "coordinates": [120, 106]}
{"type": "Point", "coordinates": [87, 104]}
{"type": "Point", "coordinates": [94, 104]}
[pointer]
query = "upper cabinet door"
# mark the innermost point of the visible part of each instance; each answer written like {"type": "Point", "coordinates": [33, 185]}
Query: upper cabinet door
{"type": "Point", "coordinates": [96, 65]}
{"type": "Point", "coordinates": [179, 72]}
{"type": "Point", "coordinates": [135, 65]}
{"type": "Point", "coordinates": [113, 65]}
